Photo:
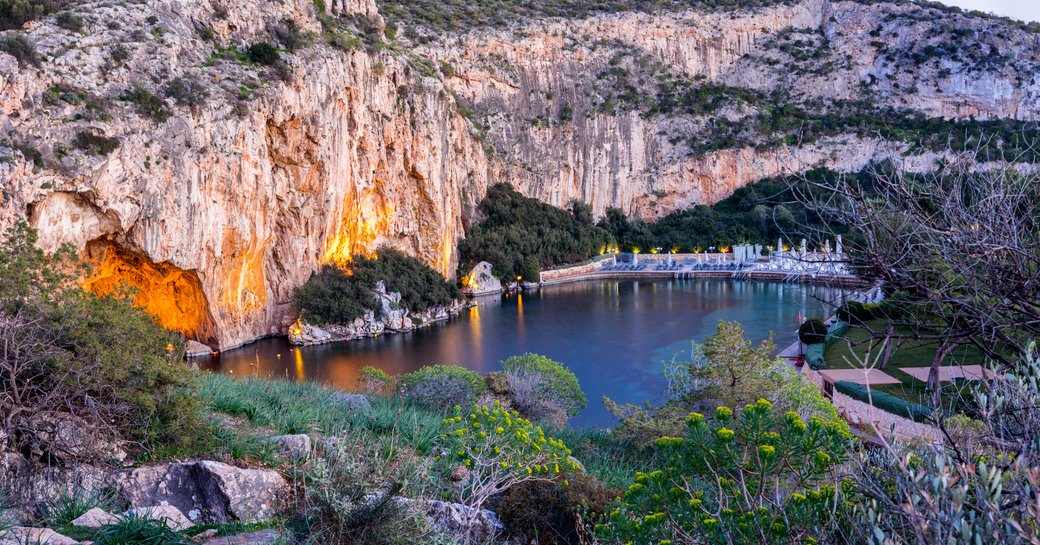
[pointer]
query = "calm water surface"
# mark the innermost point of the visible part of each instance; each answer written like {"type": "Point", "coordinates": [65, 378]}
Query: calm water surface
{"type": "Point", "coordinates": [614, 335]}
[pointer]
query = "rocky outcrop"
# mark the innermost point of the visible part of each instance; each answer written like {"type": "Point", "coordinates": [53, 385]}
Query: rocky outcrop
{"type": "Point", "coordinates": [481, 281]}
{"type": "Point", "coordinates": [21, 535]}
{"type": "Point", "coordinates": [466, 524]}
{"type": "Point", "coordinates": [392, 318]}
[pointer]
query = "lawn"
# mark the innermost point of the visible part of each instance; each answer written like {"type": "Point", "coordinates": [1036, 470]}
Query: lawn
{"type": "Point", "coordinates": [909, 353]}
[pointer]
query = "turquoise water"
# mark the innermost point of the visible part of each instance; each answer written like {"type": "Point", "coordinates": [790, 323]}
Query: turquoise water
{"type": "Point", "coordinates": [615, 335]}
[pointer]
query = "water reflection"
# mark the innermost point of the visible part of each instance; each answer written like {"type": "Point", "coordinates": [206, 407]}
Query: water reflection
{"type": "Point", "coordinates": [615, 335]}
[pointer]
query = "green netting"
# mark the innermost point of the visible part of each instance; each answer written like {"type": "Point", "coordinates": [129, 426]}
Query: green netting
{"type": "Point", "coordinates": [814, 355]}
{"type": "Point", "coordinates": [884, 401]}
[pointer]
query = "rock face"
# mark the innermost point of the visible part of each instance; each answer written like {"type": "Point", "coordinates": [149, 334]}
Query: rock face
{"type": "Point", "coordinates": [465, 524]}
{"type": "Point", "coordinates": [216, 203]}
{"type": "Point", "coordinates": [480, 280]}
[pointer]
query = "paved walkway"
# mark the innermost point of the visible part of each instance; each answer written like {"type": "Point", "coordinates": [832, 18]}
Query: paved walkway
{"type": "Point", "coordinates": [859, 376]}
{"type": "Point", "coordinates": [950, 372]}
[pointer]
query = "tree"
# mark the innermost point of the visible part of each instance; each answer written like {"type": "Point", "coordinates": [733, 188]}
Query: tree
{"type": "Point", "coordinates": [961, 244]}
{"type": "Point", "coordinates": [760, 477]}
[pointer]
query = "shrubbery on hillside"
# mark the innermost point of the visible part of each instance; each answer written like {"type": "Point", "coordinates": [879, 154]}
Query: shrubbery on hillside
{"type": "Point", "coordinates": [339, 295]}
{"type": "Point", "coordinates": [520, 235]}
{"type": "Point", "coordinates": [67, 353]}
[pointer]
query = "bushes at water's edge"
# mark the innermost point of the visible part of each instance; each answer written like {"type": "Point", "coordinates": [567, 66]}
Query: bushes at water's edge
{"type": "Point", "coordinates": [338, 295]}
{"type": "Point", "coordinates": [66, 351]}
{"type": "Point", "coordinates": [520, 236]}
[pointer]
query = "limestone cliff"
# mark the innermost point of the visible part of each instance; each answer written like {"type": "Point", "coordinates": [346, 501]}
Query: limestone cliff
{"type": "Point", "coordinates": [151, 141]}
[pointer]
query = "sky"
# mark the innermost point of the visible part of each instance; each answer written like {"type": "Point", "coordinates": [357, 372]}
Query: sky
{"type": "Point", "coordinates": [1026, 10]}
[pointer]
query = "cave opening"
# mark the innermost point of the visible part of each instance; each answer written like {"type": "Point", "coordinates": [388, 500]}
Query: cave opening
{"type": "Point", "coordinates": [172, 295]}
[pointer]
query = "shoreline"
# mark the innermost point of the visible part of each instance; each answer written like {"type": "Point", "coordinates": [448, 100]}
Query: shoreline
{"type": "Point", "coordinates": [761, 276]}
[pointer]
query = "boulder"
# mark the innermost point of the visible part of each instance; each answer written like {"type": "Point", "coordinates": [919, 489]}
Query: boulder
{"type": "Point", "coordinates": [263, 537]}
{"type": "Point", "coordinates": [462, 523]}
{"type": "Point", "coordinates": [206, 491]}
{"type": "Point", "coordinates": [195, 349]}
{"type": "Point", "coordinates": [95, 518]}
{"type": "Point", "coordinates": [168, 514]}
{"type": "Point", "coordinates": [480, 281]}
{"type": "Point", "coordinates": [296, 446]}
{"type": "Point", "coordinates": [68, 438]}
{"type": "Point", "coordinates": [352, 400]}
{"type": "Point", "coordinates": [21, 535]}
{"type": "Point", "coordinates": [302, 334]}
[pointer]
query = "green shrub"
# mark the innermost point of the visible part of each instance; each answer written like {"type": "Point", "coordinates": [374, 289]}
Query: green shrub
{"type": "Point", "coordinates": [548, 513]}
{"type": "Point", "coordinates": [148, 104]}
{"type": "Point", "coordinates": [69, 21]}
{"type": "Point", "coordinates": [375, 381]}
{"type": "Point", "coordinates": [757, 478]}
{"type": "Point", "coordinates": [263, 53]}
{"type": "Point", "coordinates": [334, 295]}
{"type": "Point", "coordinates": [98, 144]}
{"type": "Point", "coordinates": [15, 13]}
{"type": "Point", "coordinates": [500, 450]}
{"type": "Point", "coordinates": [441, 386]}
{"type": "Point", "coordinates": [519, 236]}
{"type": "Point", "coordinates": [885, 401]}
{"type": "Point", "coordinates": [102, 359]}
{"type": "Point", "coordinates": [59, 511]}
{"type": "Point", "coordinates": [542, 387]}
{"type": "Point", "coordinates": [187, 91]}
{"type": "Point", "coordinates": [19, 46]}
{"type": "Point", "coordinates": [812, 331]}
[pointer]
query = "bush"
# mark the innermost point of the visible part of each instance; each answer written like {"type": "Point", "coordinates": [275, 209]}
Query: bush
{"type": "Point", "coordinates": [98, 144]}
{"type": "Point", "coordinates": [500, 450]}
{"type": "Point", "coordinates": [263, 53]}
{"type": "Point", "coordinates": [442, 386]}
{"type": "Point", "coordinates": [15, 13]}
{"type": "Point", "coordinates": [334, 295]}
{"type": "Point", "coordinates": [19, 46]}
{"type": "Point", "coordinates": [770, 479]}
{"type": "Point", "coordinates": [375, 381]}
{"type": "Point", "coordinates": [187, 91]}
{"type": "Point", "coordinates": [148, 104]}
{"type": "Point", "coordinates": [69, 21]}
{"type": "Point", "coordinates": [519, 236]}
{"type": "Point", "coordinates": [812, 331]}
{"type": "Point", "coordinates": [547, 513]}
{"type": "Point", "coordinates": [543, 389]}
{"type": "Point", "coordinates": [102, 359]}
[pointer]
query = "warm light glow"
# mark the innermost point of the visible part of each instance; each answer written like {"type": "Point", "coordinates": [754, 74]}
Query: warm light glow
{"type": "Point", "coordinates": [635, 250]}
{"type": "Point", "coordinates": [296, 328]}
{"type": "Point", "coordinates": [653, 250]}
{"type": "Point", "coordinates": [172, 295]}
{"type": "Point", "coordinates": [675, 250]}
{"type": "Point", "coordinates": [724, 249]}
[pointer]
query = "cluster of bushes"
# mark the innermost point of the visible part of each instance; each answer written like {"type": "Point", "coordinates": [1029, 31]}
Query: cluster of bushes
{"type": "Point", "coordinates": [148, 103]}
{"type": "Point", "coordinates": [856, 313]}
{"type": "Point", "coordinates": [97, 144]}
{"type": "Point", "coordinates": [519, 236]}
{"type": "Point", "coordinates": [66, 353]}
{"type": "Point", "coordinates": [15, 13]}
{"type": "Point", "coordinates": [339, 294]}
{"type": "Point", "coordinates": [19, 46]}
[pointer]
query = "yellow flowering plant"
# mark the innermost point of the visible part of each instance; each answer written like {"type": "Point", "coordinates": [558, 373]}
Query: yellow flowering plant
{"type": "Point", "coordinates": [758, 477]}
{"type": "Point", "coordinates": [499, 449]}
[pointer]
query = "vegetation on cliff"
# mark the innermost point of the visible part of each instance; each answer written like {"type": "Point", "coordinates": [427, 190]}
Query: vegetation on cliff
{"type": "Point", "coordinates": [519, 236]}
{"type": "Point", "coordinates": [339, 294]}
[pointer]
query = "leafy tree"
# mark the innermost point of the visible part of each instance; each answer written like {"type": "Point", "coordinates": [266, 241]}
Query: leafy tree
{"type": "Point", "coordinates": [759, 477]}
{"type": "Point", "coordinates": [442, 386]}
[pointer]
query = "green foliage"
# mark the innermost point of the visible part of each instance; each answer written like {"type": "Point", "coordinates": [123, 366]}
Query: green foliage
{"type": "Point", "coordinates": [263, 53]}
{"type": "Point", "coordinates": [59, 511]}
{"type": "Point", "coordinates": [759, 477]}
{"type": "Point", "coordinates": [19, 46]}
{"type": "Point", "coordinates": [15, 13]}
{"type": "Point", "coordinates": [101, 358]}
{"type": "Point", "coordinates": [98, 144]}
{"type": "Point", "coordinates": [336, 295]}
{"type": "Point", "coordinates": [812, 331]}
{"type": "Point", "coordinates": [148, 104]}
{"type": "Point", "coordinates": [560, 513]}
{"type": "Point", "coordinates": [554, 385]}
{"type": "Point", "coordinates": [376, 381]}
{"type": "Point", "coordinates": [500, 450]}
{"type": "Point", "coordinates": [520, 236]}
{"type": "Point", "coordinates": [69, 21]}
{"type": "Point", "coordinates": [139, 530]}
{"type": "Point", "coordinates": [187, 91]}
{"type": "Point", "coordinates": [441, 386]}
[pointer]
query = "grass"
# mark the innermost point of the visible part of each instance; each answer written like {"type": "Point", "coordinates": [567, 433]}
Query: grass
{"type": "Point", "coordinates": [910, 353]}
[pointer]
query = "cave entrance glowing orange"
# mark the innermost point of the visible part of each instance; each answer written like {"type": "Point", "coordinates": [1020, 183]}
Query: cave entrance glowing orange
{"type": "Point", "coordinates": [174, 296]}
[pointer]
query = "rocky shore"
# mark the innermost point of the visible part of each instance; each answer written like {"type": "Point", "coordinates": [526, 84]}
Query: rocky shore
{"type": "Point", "coordinates": [391, 318]}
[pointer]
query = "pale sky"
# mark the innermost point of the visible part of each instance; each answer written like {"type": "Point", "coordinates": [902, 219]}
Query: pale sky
{"type": "Point", "coordinates": [1026, 10]}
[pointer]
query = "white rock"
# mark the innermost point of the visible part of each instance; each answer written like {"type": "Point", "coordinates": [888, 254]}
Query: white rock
{"type": "Point", "coordinates": [169, 514]}
{"type": "Point", "coordinates": [95, 518]}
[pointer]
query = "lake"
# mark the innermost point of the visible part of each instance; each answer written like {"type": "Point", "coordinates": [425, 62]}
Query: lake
{"type": "Point", "coordinates": [615, 335]}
